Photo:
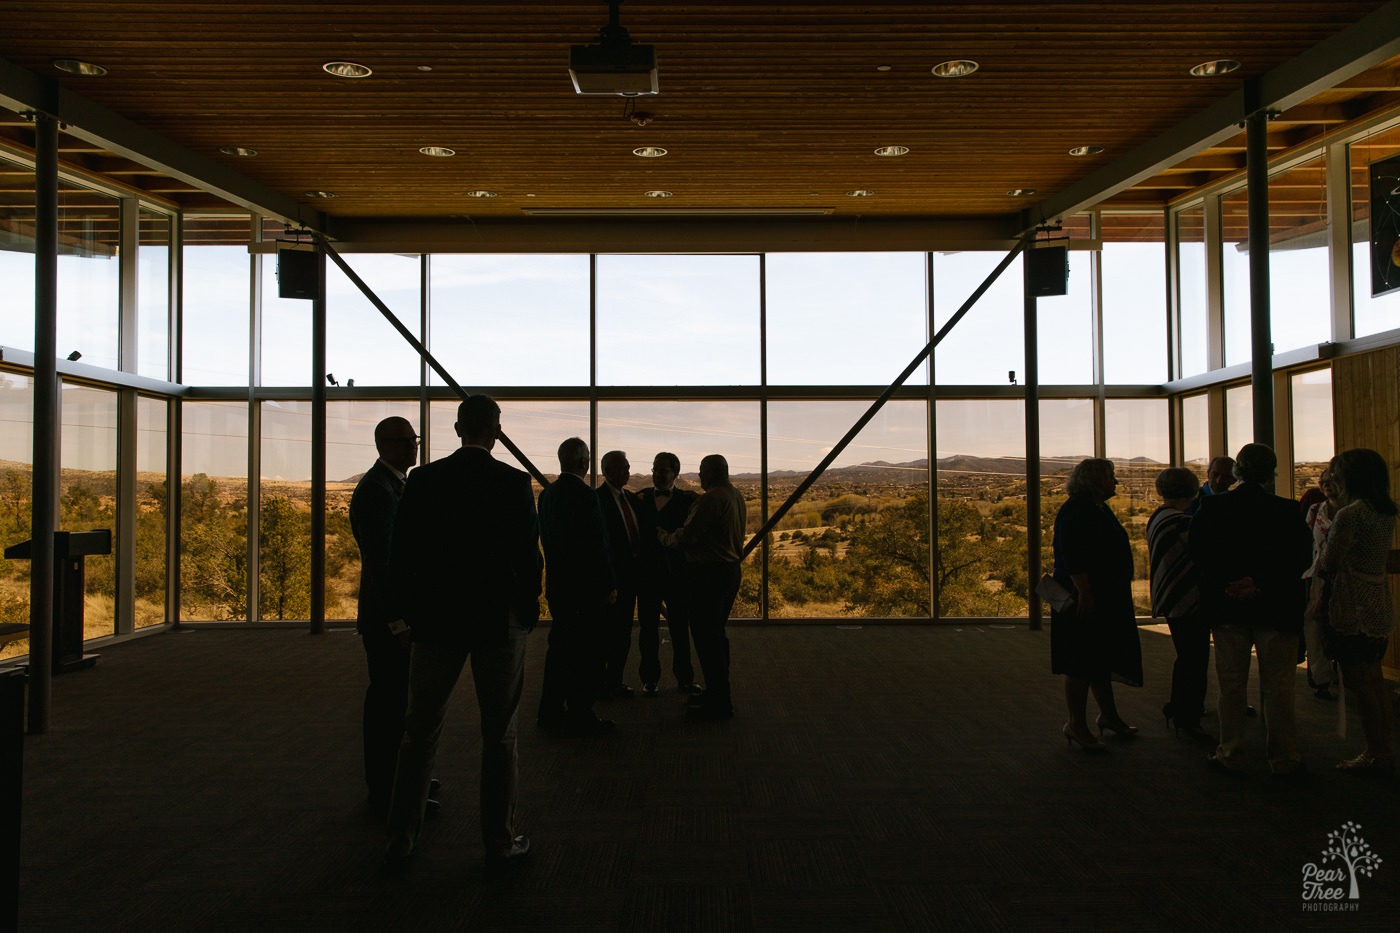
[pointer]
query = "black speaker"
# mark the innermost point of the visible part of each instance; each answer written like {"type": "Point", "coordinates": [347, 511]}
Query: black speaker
{"type": "Point", "coordinates": [1048, 270]}
{"type": "Point", "coordinates": [296, 273]}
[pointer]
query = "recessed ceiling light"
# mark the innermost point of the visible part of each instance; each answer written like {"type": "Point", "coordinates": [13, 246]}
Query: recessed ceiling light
{"type": "Point", "coordinates": [237, 151]}
{"type": "Point", "coordinates": [957, 68]}
{"type": "Point", "coordinates": [1221, 66]}
{"type": "Point", "coordinates": [1086, 150]}
{"type": "Point", "coordinates": [1019, 192]}
{"type": "Point", "coordinates": [320, 194]}
{"type": "Point", "coordinates": [859, 193]}
{"type": "Point", "coordinates": [882, 67]}
{"type": "Point", "coordinates": [75, 67]}
{"type": "Point", "coordinates": [892, 151]}
{"type": "Point", "coordinates": [657, 194]}
{"type": "Point", "coordinates": [347, 70]}
{"type": "Point", "coordinates": [481, 193]}
{"type": "Point", "coordinates": [425, 67]}
{"type": "Point", "coordinates": [649, 152]}
{"type": "Point", "coordinates": [439, 151]}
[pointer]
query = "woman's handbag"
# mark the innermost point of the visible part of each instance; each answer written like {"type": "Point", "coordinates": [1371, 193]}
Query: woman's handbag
{"type": "Point", "coordinates": [1059, 598]}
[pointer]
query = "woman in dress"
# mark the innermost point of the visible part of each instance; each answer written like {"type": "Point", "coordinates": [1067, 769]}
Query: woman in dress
{"type": "Point", "coordinates": [1319, 516]}
{"type": "Point", "coordinates": [1095, 641]}
{"type": "Point", "coordinates": [1359, 618]}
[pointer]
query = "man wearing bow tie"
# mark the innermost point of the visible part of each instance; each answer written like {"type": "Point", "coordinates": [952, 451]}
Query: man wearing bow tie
{"type": "Point", "coordinates": [659, 578]}
{"type": "Point", "coordinates": [373, 506]}
{"type": "Point", "coordinates": [620, 510]}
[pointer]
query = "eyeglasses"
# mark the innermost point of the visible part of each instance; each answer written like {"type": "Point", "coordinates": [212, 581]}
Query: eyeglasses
{"type": "Point", "coordinates": [414, 439]}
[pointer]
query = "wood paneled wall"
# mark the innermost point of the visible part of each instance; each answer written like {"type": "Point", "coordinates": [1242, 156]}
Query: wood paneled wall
{"type": "Point", "coordinates": [1366, 413]}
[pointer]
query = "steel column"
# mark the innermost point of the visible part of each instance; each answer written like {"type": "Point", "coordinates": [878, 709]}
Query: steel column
{"type": "Point", "coordinates": [1261, 339]}
{"type": "Point", "coordinates": [1032, 366]}
{"type": "Point", "coordinates": [318, 449]}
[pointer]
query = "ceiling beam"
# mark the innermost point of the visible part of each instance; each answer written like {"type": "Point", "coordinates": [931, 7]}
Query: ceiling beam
{"type": "Point", "coordinates": [1346, 55]}
{"type": "Point", "coordinates": [23, 90]}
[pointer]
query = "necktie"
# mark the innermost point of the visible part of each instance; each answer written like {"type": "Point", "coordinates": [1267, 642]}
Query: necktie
{"type": "Point", "coordinates": [629, 520]}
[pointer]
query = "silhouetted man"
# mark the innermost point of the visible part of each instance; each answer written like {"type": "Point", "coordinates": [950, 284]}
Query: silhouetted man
{"type": "Point", "coordinates": [712, 540]}
{"type": "Point", "coordinates": [466, 560]}
{"type": "Point", "coordinates": [373, 506]}
{"type": "Point", "coordinates": [619, 507]}
{"type": "Point", "coordinates": [1220, 476]}
{"type": "Point", "coordinates": [660, 578]}
{"type": "Point", "coordinates": [579, 586]}
{"type": "Point", "coordinates": [1252, 547]}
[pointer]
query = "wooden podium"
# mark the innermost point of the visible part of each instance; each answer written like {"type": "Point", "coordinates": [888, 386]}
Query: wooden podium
{"type": "Point", "coordinates": [69, 549]}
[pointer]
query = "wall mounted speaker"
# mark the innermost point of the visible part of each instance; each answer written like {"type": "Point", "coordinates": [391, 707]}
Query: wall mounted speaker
{"type": "Point", "coordinates": [1047, 269]}
{"type": "Point", "coordinates": [296, 273]}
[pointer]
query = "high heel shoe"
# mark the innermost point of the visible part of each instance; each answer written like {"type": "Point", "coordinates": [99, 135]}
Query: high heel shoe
{"type": "Point", "coordinates": [1093, 745]}
{"type": "Point", "coordinates": [1116, 725]}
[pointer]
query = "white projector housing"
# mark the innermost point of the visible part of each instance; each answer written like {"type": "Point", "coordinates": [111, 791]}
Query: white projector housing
{"type": "Point", "coordinates": [613, 70]}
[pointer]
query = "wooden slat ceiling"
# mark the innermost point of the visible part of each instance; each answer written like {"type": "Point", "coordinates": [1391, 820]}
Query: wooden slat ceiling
{"type": "Point", "coordinates": [763, 105]}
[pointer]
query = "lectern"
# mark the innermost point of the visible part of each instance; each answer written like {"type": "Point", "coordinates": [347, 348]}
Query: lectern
{"type": "Point", "coordinates": [69, 549]}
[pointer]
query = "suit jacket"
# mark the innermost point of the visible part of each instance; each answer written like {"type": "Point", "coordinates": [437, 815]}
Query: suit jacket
{"type": "Point", "coordinates": [652, 558]}
{"type": "Point", "coordinates": [578, 573]}
{"type": "Point", "coordinates": [373, 506]}
{"type": "Point", "coordinates": [466, 550]}
{"type": "Point", "coordinates": [620, 550]}
{"type": "Point", "coordinates": [1248, 532]}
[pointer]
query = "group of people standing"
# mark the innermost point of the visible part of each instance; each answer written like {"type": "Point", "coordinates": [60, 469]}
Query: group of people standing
{"type": "Point", "coordinates": [1238, 566]}
{"type": "Point", "coordinates": [451, 573]}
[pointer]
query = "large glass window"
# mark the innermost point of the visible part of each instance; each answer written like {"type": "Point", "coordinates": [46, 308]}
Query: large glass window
{"type": "Point", "coordinates": [1137, 439]}
{"type": "Point", "coordinates": [88, 492]}
{"type": "Point", "coordinates": [678, 320]}
{"type": "Point", "coordinates": [1133, 266]}
{"type": "Point", "coordinates": [845, 318]}
{"type": "Point", "coordinates": [214, 511]}
{"type": "Point", "coordinates": [89, 276]}
{"type": "Point", "coordinates": [1239, 417]}
{"type": "Point", "coordinates": [152, 505]}
{"type": "Point", "coordinates": [856, 544]}
{"type": "Point", "coordinates": [536, 428]}
{"type": "Point", "coordinates": [1313, 438]}
{"type": "Point", "coordinates": [980, 568]}
{"type": "Point", "coordinates": [16, 478]}
{"type": "Point", "coordinates": [1065, 328]}
{"type": "Point", "coordinates": [284, 512]}
{"type": "Point", "coordinates": [217, 295]}
{"type": "Point", "coordinates": [153, 296]}
{"type": "Point", "coordinates": [1195, 433]}
{"type": "Point", "coordinates": [514, 320]}
{"type": "Point", "coordinates": [1191, 291]}
{"type": "Point", "coordinates": [285, 333]}
{"type": "Point", "coordinates": [1372, 315]}
{"type": "Point", "coordinates": [987, 344]}
{"type": "Point", "coordinates": [17, 255]}
{"type": "Point", "coordinates": [360, 344]}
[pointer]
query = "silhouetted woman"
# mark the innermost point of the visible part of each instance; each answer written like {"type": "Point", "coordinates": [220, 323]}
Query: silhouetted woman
{"type": "Point", "coordinates": [1358, 619]}
{"type": "Point", "coordinates": [1095, 641]}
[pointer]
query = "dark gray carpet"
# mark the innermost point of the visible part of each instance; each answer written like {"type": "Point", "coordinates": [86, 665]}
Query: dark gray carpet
{"type": "Point", "coordinates": [875, 779]}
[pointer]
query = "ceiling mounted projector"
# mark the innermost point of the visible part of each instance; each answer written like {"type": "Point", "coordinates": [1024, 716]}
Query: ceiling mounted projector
{"type": "Point", "coordinates": [615, 67]}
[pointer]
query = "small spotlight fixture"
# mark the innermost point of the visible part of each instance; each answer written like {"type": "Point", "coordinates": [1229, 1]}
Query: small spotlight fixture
{"type": "Point", "coordinates": [1221, 66]}
{"type": "Point", "coordinates": [425, 67]}
{"type": "Point", "coordinates": [656, 194]}
{"type": "Point", "coordinates": [883, 67]}
{"type": "Point", "coordinates": [74, 66]}
{"type": "Point", "coordinates": [330, 378]}
{"type": "Point", "coordinates": [238, 151]}
{"type": "Point", "coordinates": [649, 152]}
{"type": "Point", "coordinates": [347, 69]}
{"type": "Point", "coordinates": [481, 193]}
{"type": "Point", "coordinates": [1011, 376]}
{"type": "Point", "coordinates": [440, 152]}
{"type": "Point", "coordinates": [859, 193]}
{"type": "Point", "coordinates": [1019, 192]}
{"type": "Point", "coordinates": [956, 68]}
{"type": "Point", "coordinates": [349, 383]}
{"type": "Point", "coordinates": [1086, 150]}
{"type": "Point", "coordinates": [892, 151]}
{"type": "Point", "coordinates": [74, 356]}
{"type": "Point", "coordinates": [325, 195]}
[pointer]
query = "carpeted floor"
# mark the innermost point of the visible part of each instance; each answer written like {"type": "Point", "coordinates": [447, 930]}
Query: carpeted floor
{"type": "Point", "coordinates": [875, 779]}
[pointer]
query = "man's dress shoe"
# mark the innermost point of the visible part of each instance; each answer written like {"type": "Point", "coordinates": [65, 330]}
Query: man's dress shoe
{"type": "Point", "coordinates": [649, 690]}
{"type": "Point", "coordinates": [515, 856]}
{"type": "Point", "coordinates": [692, 688]}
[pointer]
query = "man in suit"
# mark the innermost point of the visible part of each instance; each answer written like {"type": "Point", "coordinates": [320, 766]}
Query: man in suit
{"type": "Point", "coordinates": [1252, 548]}
{"type": "Point", "coordinates": [712, 540]}
{"type": "Point", "coordinates": [373, 506]}
{"type": "Point", "coordinates": [659, 577]}
{"type": "Point", "coordinates": [579, 586]}
{"type": "Point", "coordinates": [619, 507]}
{"type": "Point", "coordinates": [466, 563]}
